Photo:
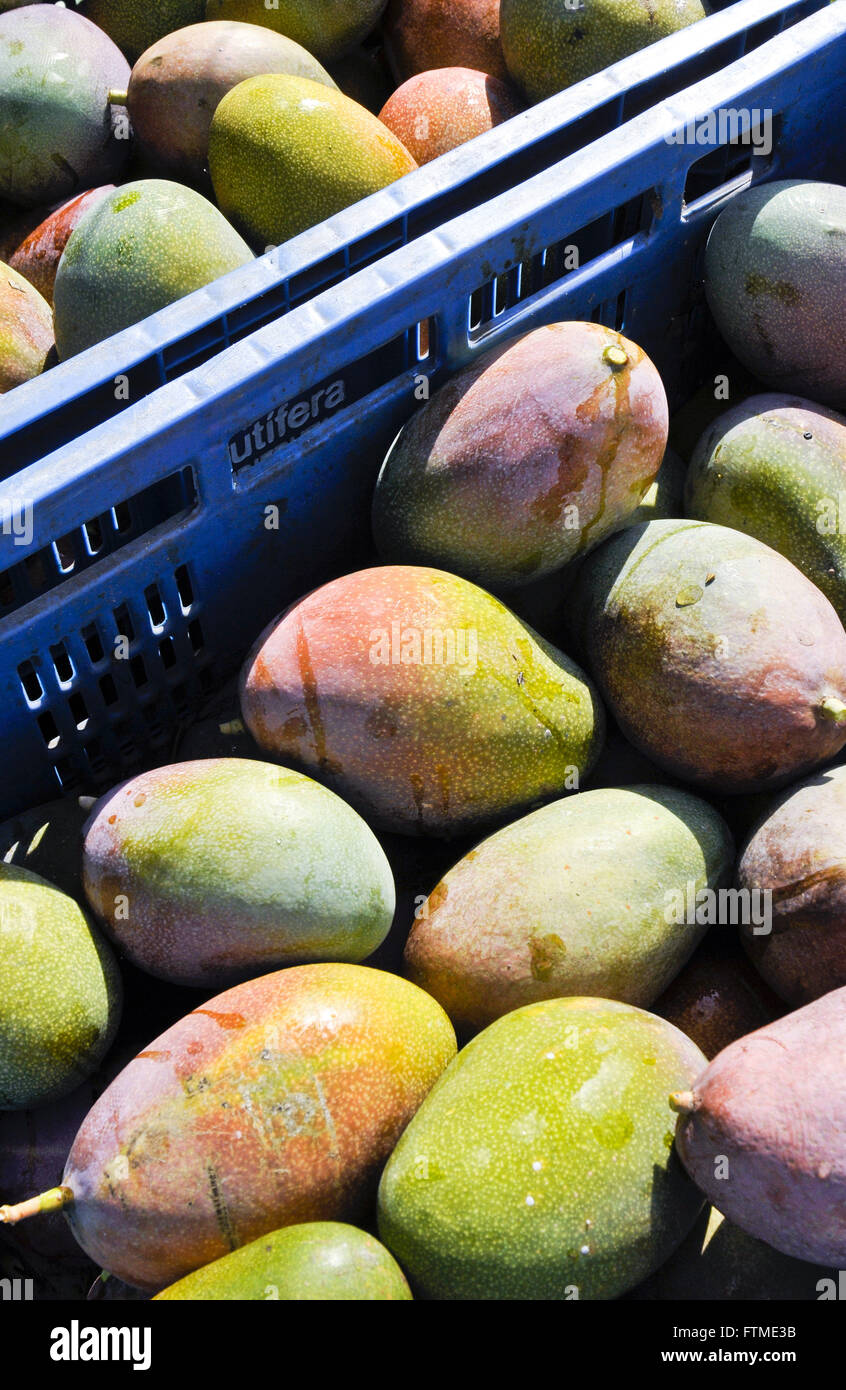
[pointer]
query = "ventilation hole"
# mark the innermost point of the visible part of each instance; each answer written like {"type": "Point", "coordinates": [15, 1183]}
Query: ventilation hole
{"type": "Point", "coordinates": [184, 588]}
{"type": "Point", "coordinates": [124, 624]}
{"type": "Point", "coordinates": [126, 744]}
{"type": "Point", "coordinates": [63, 664]}
{"type": "Point", "coordinates": [207, 682]}
{"type": "Point", "coordinates": [122, 517]}
{"type": "Point", "coordinates": [620, 316]}
{"type": "Point", "coordinates": [195, 633]}
{"type": "Point", "coordinates": [167, 652]}
{"type": "Point", "coordinates": [65, 553]}
{"type": "Point", "coordinates": [138, 670]}
{"type": "Point", "coordinates": [7, 590]}
{"type": "Point", "coordinates": [179, 695]}
{"type": "Point", "coordinates": [93, 536]}
{"type": "Point", "coordinates": [155, 607]}
{"type": "Point", "coordinates": [66, 774]}
{"type": "Point", "coordinates": [49, 729]}
{"type": "Point", "coordinates": [153, 720]}
{"type": "Point", "coordinates": [108, 690]}
{"type": "Point", "coordinates": [32, 687]}
{"type": "Point", "coordinates": [93, 644]}
{"type": "Point", "coordinates": [78, 710]}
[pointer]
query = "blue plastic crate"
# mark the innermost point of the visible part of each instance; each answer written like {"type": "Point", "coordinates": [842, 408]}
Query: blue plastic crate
{"type": "Point", "coordinates": [41, 416]}
{"type": "Point", "coordinates": [161, 525]}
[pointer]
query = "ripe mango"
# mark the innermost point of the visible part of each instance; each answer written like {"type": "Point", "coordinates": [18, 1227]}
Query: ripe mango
{"type": "Point", "coordinates": [57, 131]}
{"type": "Point", "coordinates": [275, 1103]}
{"type": "Point", "coordinates": [322, 1261]}
{"type": "Point", "coordinates": [285, 153]}
{"type": "Point", "coordinates": [763, 1132]}
{"type": "Point", "coordinates": [421, 35]}
{"type": "Point", "coordinates": [26, 330]}
{"type": "Point", "coordinates": [422, 700]}
{"type": "Point", "coordinates": [327, 28]}
{"type": "Point", "coordinates": [61, 997]}
{"type": "Point", "coordinates": [436, 112]}
{"type": "Point", "coordinates": [718, 658]}
{"type": "Point", "coordinates": [177, 85]}
{"type": "Point", "coordinates": [550, 44]}
{"type": "Point", "coordinates": [207, 872]}
{"type": "Point", "coordinates": [575, 899]}
{"type": "Point", "coordinates": [526, 459]}
{"type": "Point", "coordinates": [542, 1166]}
{"type": "Point", "coordinates": [139, 249]}
{"type": "Point", "coordinates": [797, 855]}
{"type": "Point", "coordinates": [775, 467]}
{"type": "Point", "coordinates": [37, 258]}
{"type": "Point", "coordinates": [774, 277]}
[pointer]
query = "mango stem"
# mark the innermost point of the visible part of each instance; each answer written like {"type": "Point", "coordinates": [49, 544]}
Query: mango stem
{"type": "Point", "coordinates": [54, 1200]}
{"type": "Point", "coordinates": [118, 98]}
{"type": "Point", "coordinates": [833, 709]}
{"type": "Point", "coordinates": [684, 1102]}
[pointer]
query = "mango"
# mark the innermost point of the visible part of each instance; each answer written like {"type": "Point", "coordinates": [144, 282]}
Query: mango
{"type": "Point", "coordinates": [774, 275]}
{"type": "Point", "coordinates": [422, 700]}
{"type": "Point", "coordinates": [139, 249]}
{"type": "Point", "coordinates": [580, 898]}
{"type": "Point", "coordinates": [275, 1103]}
{"type": "Point", "coordinates": [550, 44]}
{"type": "Point", "coordinates": [26, 330]}
{"type": "Point", "coordinates": [718, 997]}
{"type": "Point", "coordinates": [207, 872]}
{"type": "Point", "coordinates": [136, 24]}
{"type": "Point", "coordinates": [421, 35]}
{"type": "Point", "coordinates": [797, 857]}
{"type": "Point", "coordinates": [61, 998]}
{"type": "Point", "coordinates": [775, 467]}
{"type": "Point", "coordinates": [178, 83]}
{"type": "Point", "coordinates": [763, 1132]}
{"type": "Point", "coordinates": [58, 134]}
{"type": "Point", "coordinates": [718, 658]}
{"type": "Point", "coordinates": [37, 258]}
{"type": "Point", "coordinates": [526, 459]}
{"type": "Point", "coordinates": [541, 1165]}
{"type": "Point", "coordinates": [436, 112]}
{"type": "Point", "coordinates": [327, 28]}
{"type": "Point", "coordinates": [325, 1261]}
{"type": "Point", "coordinates": [285, 153]}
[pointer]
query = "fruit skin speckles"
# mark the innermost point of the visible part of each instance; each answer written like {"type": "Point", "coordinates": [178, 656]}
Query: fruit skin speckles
{"type": "Point", "coordinates": [324, 1073]}
{"type": "Point", "coordinates": [579, 1187]}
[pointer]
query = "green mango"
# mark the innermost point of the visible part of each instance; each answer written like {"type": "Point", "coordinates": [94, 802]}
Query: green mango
{"type": "Point", "coordinates": [26, 330]}
{"type": "Point", "coordinates": [285, 153]}
{"type": "Point", "coordinates": [61, 996]}
{"type": "Point", "coordinates": [139, 249]}
{"type": "Point", "coordinates": [327, 28]}
{"type": "Point", "coordinates": [136, 24]}
{"type": "Point", "coordinates": [324, 1261]}
{"type": "Point", "coordinates": [541, 1165]}
{"type": "Point", "coordinates": [209, 872]}
{"type": "Point", "coordinates": [586, 896]}
{"type": "Point", "coordinates": [550, 44]}
{"type": "Point", "coordinates": [775, 467]}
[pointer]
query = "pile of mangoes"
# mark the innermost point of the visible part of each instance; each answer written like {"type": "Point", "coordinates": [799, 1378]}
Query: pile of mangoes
{"type": "Point", "coordinates": [148, 149]}
{"type": "Point", "coordinates": [533, 968]}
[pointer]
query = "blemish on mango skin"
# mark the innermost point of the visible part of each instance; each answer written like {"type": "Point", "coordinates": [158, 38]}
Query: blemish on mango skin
{"type": "Point", "coordinates": [781, 290]}
{"type": "Point", "coordinates": [226, 1020]}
